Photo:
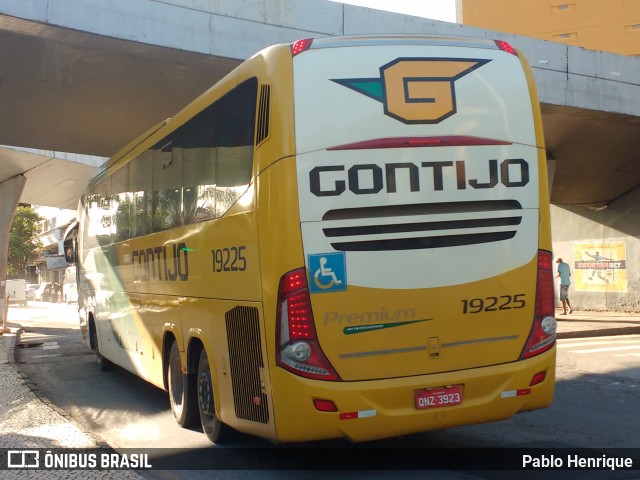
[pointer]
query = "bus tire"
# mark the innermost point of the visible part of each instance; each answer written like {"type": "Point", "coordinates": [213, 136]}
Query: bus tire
{"type": "Point", "coordinates": [182, 390]}
{"type": "Point", "coordinates": [105, 365]}
{"type": "Point", "coordinates": [213, 428]}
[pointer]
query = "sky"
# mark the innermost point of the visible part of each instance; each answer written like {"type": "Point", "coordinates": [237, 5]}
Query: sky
{"type": "Point", "coordinates": [436, 9]}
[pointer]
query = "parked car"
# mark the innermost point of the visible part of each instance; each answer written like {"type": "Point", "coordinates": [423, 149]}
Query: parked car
{"type": "Point", "coordinates": [31, 290]}
{"type": "Point", "coordinates": [16, 291]}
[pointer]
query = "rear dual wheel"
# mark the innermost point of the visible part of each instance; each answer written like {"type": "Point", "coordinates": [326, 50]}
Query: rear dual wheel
{"type": "Point", "coordinates": [105, 365]}
{"type": "Point", "coordinates": [214, 429]}
{"type": "Point", "coordinates": [191, 396]}
{"type": "Point", "coordinates": [182, 390]}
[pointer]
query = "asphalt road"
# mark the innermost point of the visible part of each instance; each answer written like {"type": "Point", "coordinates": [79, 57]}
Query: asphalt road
{"type": "Point", "coordinates": [595, 407]}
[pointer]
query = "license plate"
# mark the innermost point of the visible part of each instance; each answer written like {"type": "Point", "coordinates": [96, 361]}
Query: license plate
{"type": "Point", "coordinates": [438, 397]}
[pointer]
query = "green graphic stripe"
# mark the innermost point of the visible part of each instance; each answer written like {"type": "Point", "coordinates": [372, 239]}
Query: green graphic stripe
{"type": "Point", "coordinates": [371, 87]}
{"type": "Point", "coordinates": [377, 326]}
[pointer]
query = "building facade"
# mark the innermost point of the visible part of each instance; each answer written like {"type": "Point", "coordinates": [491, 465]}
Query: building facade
{"type": "Point", "coordinates": [609, 26]}
{"type": "Point", "coordinates": [601, 245]}
{"type": "Point", "coordinates": [50, 265]}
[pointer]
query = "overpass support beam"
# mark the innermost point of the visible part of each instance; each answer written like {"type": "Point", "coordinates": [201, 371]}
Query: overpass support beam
{"type": "Point", "coordinates": [10, 191]}
{"type": "Point", "coordinates": [551, 170]}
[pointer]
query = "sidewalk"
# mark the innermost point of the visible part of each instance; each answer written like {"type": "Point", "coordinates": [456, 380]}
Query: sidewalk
{"type": "Point", "coordinates": [30, 421]}
{"type": "Point", "coordinates": [584, 323]}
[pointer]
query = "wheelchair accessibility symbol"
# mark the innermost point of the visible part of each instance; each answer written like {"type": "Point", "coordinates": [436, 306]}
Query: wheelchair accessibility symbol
{"type": "Point", "coordinates": [327, 272]}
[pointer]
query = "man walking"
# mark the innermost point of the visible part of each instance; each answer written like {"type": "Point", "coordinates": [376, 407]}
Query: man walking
{"type": "Point", "coordinates": [564, 273]}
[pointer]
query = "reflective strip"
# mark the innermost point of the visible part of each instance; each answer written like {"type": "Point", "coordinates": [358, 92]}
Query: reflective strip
{"type": "Point", "coordinates": [515, 393]}
{"type": "Point", "coordinates": [360, 414]}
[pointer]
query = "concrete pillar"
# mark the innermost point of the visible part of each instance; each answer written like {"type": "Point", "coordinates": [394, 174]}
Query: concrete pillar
{"type": "Point", "coordinates": [10, 191]}
{"type": "Point", "coordinates": [551, 169]}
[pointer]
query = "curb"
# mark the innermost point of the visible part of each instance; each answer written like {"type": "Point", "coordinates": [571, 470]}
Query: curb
{"type": "Point", "coordinates": [603, 332]}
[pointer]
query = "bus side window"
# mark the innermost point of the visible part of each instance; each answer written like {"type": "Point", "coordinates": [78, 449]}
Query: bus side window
{"type": "Point", "coordinates": [99, 206]}
{"type": "Point", "coordinates": [166, 185]}
{"type": "Point", "coordinates": [194, 174]}
{"type": "Point", "coordinates": [235, 121]}
{"type": "Point", "coordinates": [234, 172]}
{"type": "Point", "coordinates": [199, 167]}
{"type": "Point", "coordinates": [139, 194]}
{"type": "Point", "coordinates": [121, 225]}
{"type": "Point", "coordinates": [199, 191]}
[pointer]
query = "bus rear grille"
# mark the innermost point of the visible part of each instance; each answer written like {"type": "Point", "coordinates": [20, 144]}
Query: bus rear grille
{"type": "Point", "coordinates": [245, 361]}
{"type": "Point", "coordinates": [420, 226]}
{"type": "Point", "coordinates": [262, 127]}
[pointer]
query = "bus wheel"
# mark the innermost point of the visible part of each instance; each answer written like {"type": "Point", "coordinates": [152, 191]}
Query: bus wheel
{"type": "Point", "coordinates": [181, 390]}
{"type": "Point", "coordinates": [214, 429]}
{"type": "Point", "coordinates": [105, 365]}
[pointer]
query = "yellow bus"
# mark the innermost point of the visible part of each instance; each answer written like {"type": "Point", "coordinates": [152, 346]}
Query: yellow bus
{"type": "Point", "coordinates": [343, 238]}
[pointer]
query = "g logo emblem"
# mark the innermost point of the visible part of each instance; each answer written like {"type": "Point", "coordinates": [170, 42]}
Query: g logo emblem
{"type": "Point", "coordinates": [416, 90]}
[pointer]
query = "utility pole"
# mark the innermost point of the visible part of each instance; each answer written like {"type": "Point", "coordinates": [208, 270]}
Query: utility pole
{"type": "Point", "coordinates": [10, 192]}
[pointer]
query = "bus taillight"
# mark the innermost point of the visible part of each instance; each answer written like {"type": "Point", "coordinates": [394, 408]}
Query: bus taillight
{"type": "Point", "coordinates": [506, 47]}
{"type": "Point", "coordinates": [543, 333]}
{"type": "Point", "coordinates": [298, 349]}
{"type": "Point", "coordinates": [301, 45]}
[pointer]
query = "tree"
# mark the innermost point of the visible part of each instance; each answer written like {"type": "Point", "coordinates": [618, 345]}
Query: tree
{"type": "Point", "coordinates": [23, 241]}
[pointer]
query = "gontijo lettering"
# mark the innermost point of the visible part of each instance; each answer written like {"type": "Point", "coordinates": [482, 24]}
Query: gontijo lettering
{"type": "Point", "coordinates": [165, 263]}
{"type": "Point", "coordinates": [362, 179]}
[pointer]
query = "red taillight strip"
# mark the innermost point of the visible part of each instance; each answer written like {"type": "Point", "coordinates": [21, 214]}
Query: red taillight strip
{"type": "Point", "coordinates": [539, 340]}
{"type": "Point", "coordinates": [293, 281]}
{"type": "Point", "coordinates": [296, 328]}
{"type": "Point", "coordinates": [545, 291]}
{"type": "Point", "coordinates": [414, 142]}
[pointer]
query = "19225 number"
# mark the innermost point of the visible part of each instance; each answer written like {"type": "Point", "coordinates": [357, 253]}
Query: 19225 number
{"type": "Point", "coordinates": [493, 304]}
{"type": "Point", "coordinates": [229, 259]}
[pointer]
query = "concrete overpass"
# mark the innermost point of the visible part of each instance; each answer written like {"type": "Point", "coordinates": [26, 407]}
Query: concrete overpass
{"type": "Point", "coordinates": [87, 76]}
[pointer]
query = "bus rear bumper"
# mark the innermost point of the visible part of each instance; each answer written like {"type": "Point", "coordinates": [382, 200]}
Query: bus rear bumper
{"type": "Point", "coordinates": [369, 410]}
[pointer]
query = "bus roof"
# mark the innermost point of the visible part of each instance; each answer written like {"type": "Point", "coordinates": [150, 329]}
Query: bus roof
{"type": "Point", "coordinates": [426, 40]}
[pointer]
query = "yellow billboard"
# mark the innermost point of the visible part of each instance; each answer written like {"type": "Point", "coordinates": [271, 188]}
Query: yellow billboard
{"type": "Point", "coordinates": [600, 267]}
